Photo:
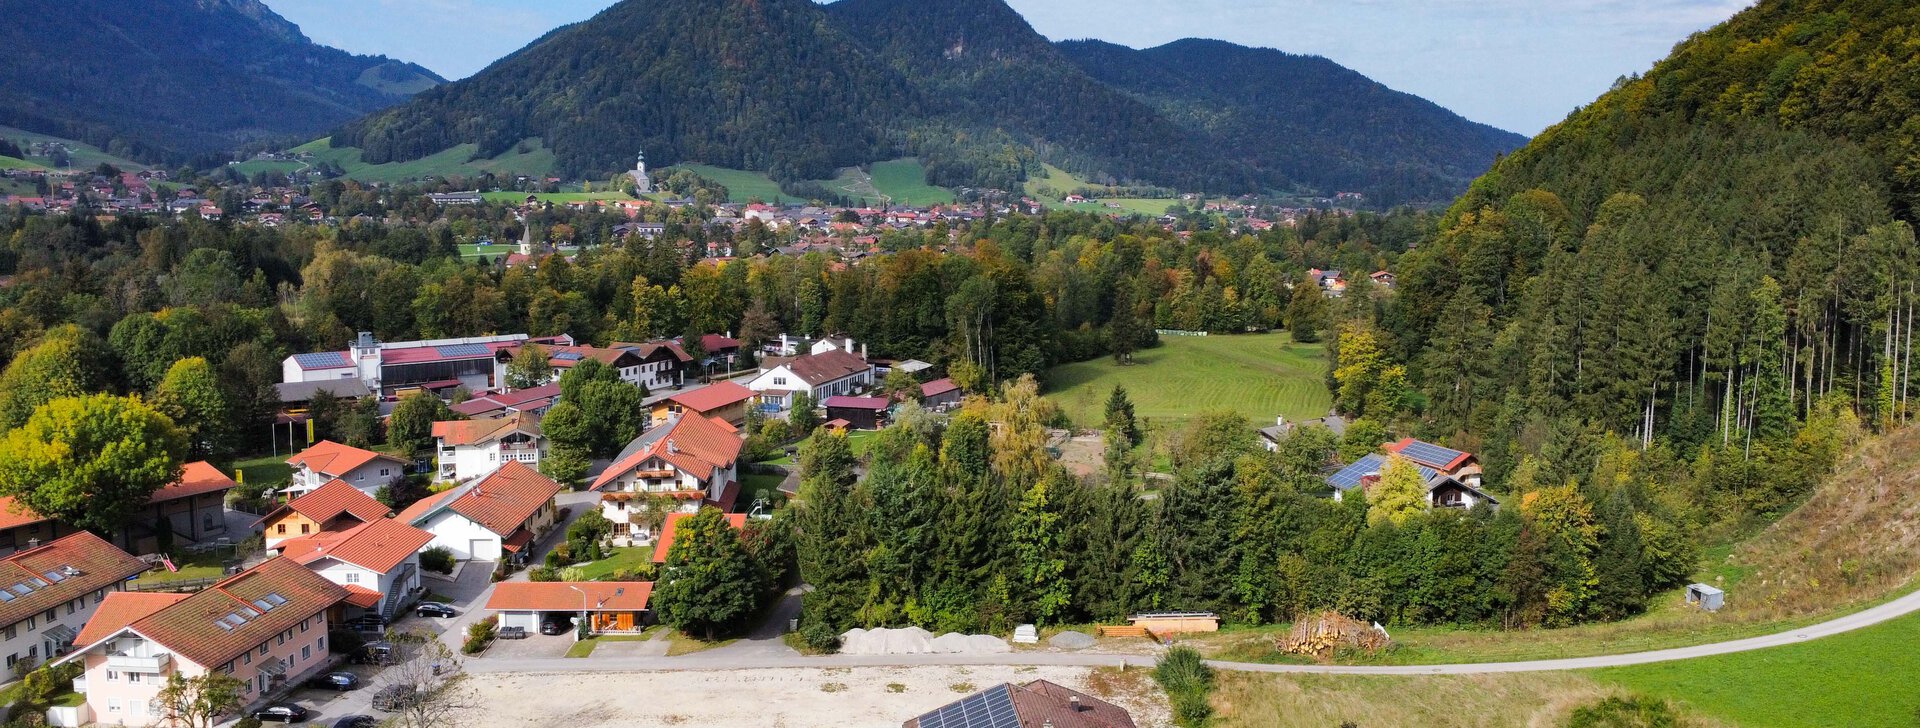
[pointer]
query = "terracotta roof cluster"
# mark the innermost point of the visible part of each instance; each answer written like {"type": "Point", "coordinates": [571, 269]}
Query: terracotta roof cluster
{"type": "Point", "coordinates": [480, 432]}
{"type": "Point", "coordinates": [664, 545]}
{"type": "Point", "coordinates": [519, 400]}
{"type": "Point", "coordinates": [378, 545]}
{"type": "Point", "coordinates": [559, 596]}
{"type": "Point", "coordinates": [38, 579]}
{"type": "Point", "coordinates": [121, 609]}
{"type": "Point", "coordinates": [331, 458]}
{"type": "Point", "coordinates": [198, 478]}
{"type": "Point", "coordinates": [712, 397]}
{"type": "Point", "coordinates": [331, 501]}
{"type": "Point", "coordinates": [1035, 704]}
{"type": "Point", "coordinates": [500, 502]}
{"type": "Point", "coordinates": [832, 366]}
{"type": "Point", "coordinates": [218, 623]}
{"type": "Point", "coordinates": [691, 444]}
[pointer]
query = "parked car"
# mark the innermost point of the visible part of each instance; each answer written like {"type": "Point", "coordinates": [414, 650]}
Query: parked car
{"type": "Point", "coordinates": [281, 713]}
{"type": "Point", "coordinates": [394, 697]}
{"type": "Point", "coordinates": [356, 721]}
{"type": "Point", "coordinates": [433, 609]}
{"type": "Point", "coordinates": [513, 633]}
{"type": "Point", "coordinates": [341, 681]}
{"type": "Point", "coordinates": [556, 623]}
{"type": "Point", "coordinates": [376, 653]}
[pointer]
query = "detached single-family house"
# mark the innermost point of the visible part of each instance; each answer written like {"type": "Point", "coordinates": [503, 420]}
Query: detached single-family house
{"type": "Point", "coordinates": [333, 507]}
{"type": "Point", "coordinates": [823, 375]}
{"type": "Point", "coordinates": [1457, 487]}
{"type": "Point", "coordinates": [1446, 461]}
{"type": "Point", "coordinates": [721, 400]}
{"type": "Point", "coordinates": [692, 459]}
{"type": "Point", "coordinates": [194, 506]}
{"type": "Point", "coordinates": [328, 461]}
{"type": "Point", "coordinates": [471, 449]}
{"type": "Point", "coordinates": [378, 562]}
{"type": "Point", "coordinates": [493, 518]}
{"type": "Point", "coordinates": [610, 606]}
{"type": "Point", "coordinates": [1033, 705]}
{"type": "Point", "coordinates": [48, 593]}
{"type": "Point", "coordinates": [266, 627]}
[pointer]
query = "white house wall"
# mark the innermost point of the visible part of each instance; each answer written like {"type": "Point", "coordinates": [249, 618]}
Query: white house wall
{"type": "Point", "coordinates": [459, 534]}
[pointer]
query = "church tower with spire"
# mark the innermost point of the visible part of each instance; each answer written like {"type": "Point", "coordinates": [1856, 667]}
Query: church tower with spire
{"type": "Point", "coordinates": [642, 184]}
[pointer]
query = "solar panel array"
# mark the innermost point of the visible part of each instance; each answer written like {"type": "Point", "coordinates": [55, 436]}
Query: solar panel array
{"type": "Point", "coordinates": [992, 708]}
{"type": "Point", "coordinates": [1427, 452]}
{"type": "Point", "coordinates": [569, 356]}
{"type": "Point", "coordinates": [1349, 477]}
{"type": "Point", "coordinates": [463, 351]}
{"type": "Point", "coordinates": [322, 360]}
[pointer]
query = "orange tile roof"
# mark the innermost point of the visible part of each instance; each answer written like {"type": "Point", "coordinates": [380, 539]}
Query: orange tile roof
{"type": "Point", "coordinates": [121, 609]}
{"type": "Point", "coordinates": [330, 501]}
{"type": "Point", "coordinates": [362, 597]}
{"type": "Point", "coordinates": [665, 542]}
{"type": "Point", "coordinates": [559, 596]}
{"type": "Point", "coordinates": [28, 577]}
{"type": "Point", "coordinates": [500, 502]}
{"type": "Point", "coordinates": [195, 479]}
{"type": "Point", "coordinates": [188, 630]}
{"type": "Point", "coordinates": [379, 545]}
{"type": "Point", "coordinates": [476, 432]}
{"type": "Point", "coordinates": [709, 398]}
{"type": "Point", "coordinates": [331, 458]}
{"type": "Point", "coordinates": [691, 444]}
{"type": "Point", "coordinates": [413, 513]}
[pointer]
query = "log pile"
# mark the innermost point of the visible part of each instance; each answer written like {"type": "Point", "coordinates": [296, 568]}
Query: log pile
{"type": "Point", "coordinates": [1321, 635]}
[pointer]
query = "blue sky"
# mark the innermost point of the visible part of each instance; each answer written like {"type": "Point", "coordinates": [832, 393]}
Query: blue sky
{"type": "Point", "coordinates": [1517, 64]}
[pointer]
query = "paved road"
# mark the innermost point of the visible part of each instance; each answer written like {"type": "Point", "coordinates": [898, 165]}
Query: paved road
{"type": "Point", "coordinates": [712, 661]}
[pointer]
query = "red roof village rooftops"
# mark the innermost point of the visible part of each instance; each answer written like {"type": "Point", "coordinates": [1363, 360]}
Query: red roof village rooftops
{"type": "Point", "coordinates": [330, 501]}
{"type": "Point", "coordinates": [235, 615]}
{"type": "Point", "coordinates": [560, 596]}
{"type": "Point", "coordinates": [379, 545]}
{"type": "Point", "coordinates": [331, 458]}
{"type": "Point", "coordinates": [692, 444]}
{"type": "Point", "coordinates": [479, 432]}
{"type": "Point", "coordinates": [938, 387]}
{"type": "Point", "coordinates": [500, 502]}
{"type": "Point", "coordinates": [519, 399]}
{"type": "Point", "coordinates": [713, 397]}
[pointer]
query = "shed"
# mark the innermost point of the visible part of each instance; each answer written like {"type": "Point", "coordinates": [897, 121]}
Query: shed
{"type": "Point", "coordinates": [940, 394]}
{"type": "Point", "coordinates": [862, 413]}
{"type": "Point", "coordinates": [1166, 623]}
{"type": "Point", "coordinates": [1710, 598]}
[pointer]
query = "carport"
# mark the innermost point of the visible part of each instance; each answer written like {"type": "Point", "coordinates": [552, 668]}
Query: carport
{"type": "Point", "coordinates": [611, 606]}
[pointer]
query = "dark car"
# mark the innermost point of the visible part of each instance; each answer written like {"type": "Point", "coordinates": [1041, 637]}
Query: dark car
{"type": "Point", "coordinates": [394, 697]}
{"type": "Point", "coordinates": [341, 681]}
{"type": "Point", "coordinates": [366, 623]}
{"type": "Point", "coordinates": [513, 633]}
{"type": "Point", "coordinates": [376, 653]}
{"type": "Point", "coordinates": [356, 721]}
{"type": "Point", "coordinates": [281, 713]}
{"type": "Point", "coordinates": [433, 609]}
{"type": "Point", "coordinates": [552, 625]}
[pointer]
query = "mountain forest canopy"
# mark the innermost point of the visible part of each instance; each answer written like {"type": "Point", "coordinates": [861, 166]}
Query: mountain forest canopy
{"type": "Point", "coordinates": [800, 90]}
{"type": "Point", "coordinates": [173, 80]}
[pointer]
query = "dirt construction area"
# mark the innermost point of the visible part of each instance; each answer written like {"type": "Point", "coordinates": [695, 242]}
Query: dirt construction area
{"type": "Point", "coordinates": [775, 698]}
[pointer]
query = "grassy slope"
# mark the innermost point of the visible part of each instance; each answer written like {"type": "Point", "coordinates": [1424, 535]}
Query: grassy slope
{"type": "Point", "coordinates": [537, 161]}
{"type": "Point", "coordinates": [1065, 183]}
{"type": "Point", "coordinates": [85, 156]}
{"type": "Point", "coordinates": [1256, 375]}
{"type": "Point", "coordinates": [905, 181]}
{"type": "Point", "coordinates": [742, 186]}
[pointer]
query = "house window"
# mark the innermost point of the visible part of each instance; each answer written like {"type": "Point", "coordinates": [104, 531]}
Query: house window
{"type": "Point", "coordinates": [51, 615]}
{"type": "Point", "coordinates": [99, 596]}
{"type": "Point", "coordinates": [321, 643]}
{"type": "Point", "coordinates": [71, 607]}
{"type": "Point", "coordinates": [263, 649]}
{"type": "Point", "coordinates": [30, 624]}
{"type": "Point", "coordinates": [246, 659]}
{"type": "Point", "coordinates": [113, 705]}
{"type": "Point", "coordinates": [779, 381]}
{"type": "Point", "coordinates": [306, 653]}
{"type": "Point", "coordinates": [305, 528]}
{"type": "Point", "coordinates": [12, 631]}
{"type": "Point", "coordinates": [383, 472]}
{"type": "Point", "coordinates": [281, 640]}
{"type": "Point", "coordinates": [133, 677]}
{"type": "Point", "coordinates": [353, 577]}
{"type": "Point", "coordinates": [112, 675]}
{"type": "Point", "coordinates": [280, 529]}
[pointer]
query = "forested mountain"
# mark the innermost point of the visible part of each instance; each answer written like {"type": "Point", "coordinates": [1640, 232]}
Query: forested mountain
{"type": "Point", "coordinates": [798, 90]}
{"type": "Point", "coordinates": [166, 79]}
{"type": "Point", "coordinates": [1273, 112]}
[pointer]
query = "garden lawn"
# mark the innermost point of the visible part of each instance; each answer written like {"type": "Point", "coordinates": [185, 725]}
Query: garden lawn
{"type": "Point", "coordinates": [198, 566]}
{"type": "Point", "coordinates": [1862, 678]}
{"type": "Point", "coordinates": [632, 558]}
{"type": "Point", "coordinates": [1257, 375]}
{"type": "Point", "coordinates": [264, 469]}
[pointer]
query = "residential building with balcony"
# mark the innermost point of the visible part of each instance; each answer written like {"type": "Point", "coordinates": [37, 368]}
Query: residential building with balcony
{"type": "Point", "coordinates": [378, 562]}
{"type": "Point", "coordinates": [694, 460]}
{"type": "Point", "coordinates": [471, 449]}
{"type": "Point", "coordinates": [48, 593]}
{"type": "Point", "coordinates": [327, 461]}
{"type": "Point", "coordinates": [493, 518]}
{"type": "Point", "coordinates": [333, 507]}
{"type": "Point", "coordinates": [266, 627]}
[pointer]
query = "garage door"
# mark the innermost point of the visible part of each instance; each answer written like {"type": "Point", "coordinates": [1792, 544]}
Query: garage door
{"type": "Point", "coordinates": [482, 548]}
{"type": "Point", "coordinates": [528, 621]}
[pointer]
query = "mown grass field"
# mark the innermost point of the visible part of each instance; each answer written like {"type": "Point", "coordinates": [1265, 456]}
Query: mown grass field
{"type": "Point", "coordinates": [1149, 207]}
{"type": "Point", "coordinates": [905, 182]}
{"type": "Point", "coordinates": [536, 161]}
{"type": "Point", "coordinates": [1249, 700]}
{"type": "Point", "coordinates": [1260, 376]}
{"type": "Point", "coordinates": [742, 186]}
{"type": "Point", "coordinates": [84, 156]}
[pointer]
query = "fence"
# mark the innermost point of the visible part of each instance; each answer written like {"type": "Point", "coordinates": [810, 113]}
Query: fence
{"type": "Point", "coordinates": [1177, 332]}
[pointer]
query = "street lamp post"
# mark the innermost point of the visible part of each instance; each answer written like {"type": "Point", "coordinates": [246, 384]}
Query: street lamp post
{"type": "Point", "coordinates": [580, 629]}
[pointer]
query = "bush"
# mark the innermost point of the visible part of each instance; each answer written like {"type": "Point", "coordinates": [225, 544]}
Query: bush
{"type": "Point", "coordinates": [543, 573]}
{"type": "Point", "coordinates": [247, 722]}
{"type": "Point", "coordinates": [479, 635]}
{"type": "Point", "coordinates": [1188, 681]}
{"type": "Point", "coordinates": [1625, 712]}
{"type": "Point", "coordinates": [820, 637]}
{"type": "Point", "coordinates": [438, 559]}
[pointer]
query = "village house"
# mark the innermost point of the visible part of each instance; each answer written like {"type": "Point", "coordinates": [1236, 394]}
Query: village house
{"type": "Point", "coordinates": [266, 627]}
{"type": "Point", "coordinates": [828, 374]}
{"type": "Point", "coordinates": [388, 368]}
{"type": "Point", "coordinates": [49, 592]}
{"type": "Point", "coordinates": [940, 394]}
{"type": "Point", "coordinates": [1451, 477]}
{"type": "Point", "coordinates": [662, 364]}
{"type": "Point", "coordinates": [493, 518]}
{"type": "Point", "coordinates": [1033, 705]}
{"type": "Point", "coordinates": [334, 507]}
{"type": "Point", "coordinates": [534, 401]}
{"type": "Point", "coordinates": [725, 400]}
{"type": "Point", "coordinates": [194, 506]}
{"type": "Point", "coordinates": [1331, 282]}
{"type": "Point", "coordinates": [328, 461]}
{"type": "Point", "coordinates": [377, 562]}
{"type": "Point", "coordinates": [471, 449]}
{"type": "Point", "coordinates": [610, 606]}
{"type": "Point", "coordinates": [690, 459]}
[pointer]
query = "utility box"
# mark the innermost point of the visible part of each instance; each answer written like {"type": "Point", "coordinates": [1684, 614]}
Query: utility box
{"type": "Point", "coordinates": [1706, 597]}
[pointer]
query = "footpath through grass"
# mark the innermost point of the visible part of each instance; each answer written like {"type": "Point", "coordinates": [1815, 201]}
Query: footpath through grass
{"type": "Point", "coordinates": [1257, 375]}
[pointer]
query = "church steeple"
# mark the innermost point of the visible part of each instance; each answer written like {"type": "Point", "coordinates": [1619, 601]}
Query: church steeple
{"type": "Point", "coordinates": [642, 184]}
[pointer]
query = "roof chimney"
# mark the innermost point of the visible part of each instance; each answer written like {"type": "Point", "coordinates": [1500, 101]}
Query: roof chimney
{"type": "Point", "coordinates": [1073, 701]}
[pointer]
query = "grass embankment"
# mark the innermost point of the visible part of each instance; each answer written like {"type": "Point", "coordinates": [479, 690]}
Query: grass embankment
{"type": "Point", "coordinates": [585, 647]}
{"type": "Point", "coordinates": [535, 161]}
{"type": "Point", "coordinates": [1257, 375]}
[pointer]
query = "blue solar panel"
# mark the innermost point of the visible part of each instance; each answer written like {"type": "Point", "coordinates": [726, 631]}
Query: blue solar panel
{"type": "Point", "coordinates": [1349, 477]}
{"type": "Point", "coordinates": [569, 356]}
{"type": "Point", "coordinates": [992, 708]}
{"type": "Point", "coordinates": [462, 351]}
{"type": "Point", "coordinates": [1429, 453]}
{"type": "Point", "coordinates": [322, 360]}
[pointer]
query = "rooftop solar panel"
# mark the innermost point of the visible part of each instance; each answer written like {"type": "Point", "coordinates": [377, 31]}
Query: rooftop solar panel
{"type": "Point", "coordinates": [1349, 477]}
{"type": "Point", "coordinates": [569, 356]}
{"type": "Point", "coordinates": [992, 708]}
{"type": "Point", "coordinates": [462, 351]}
{"type": "Point", "coordinates": [1429, 453]}
{"type": "Point", "coordinates": [321, 360]}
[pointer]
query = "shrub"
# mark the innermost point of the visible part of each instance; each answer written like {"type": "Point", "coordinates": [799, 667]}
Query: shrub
{"type": "Point", "coordinates": [1188, 681]}
{"type": "Point", "coordinates": [438, 559]}
{"type": "Point", "coordinates": [543, 573]}
{"type": "Point", "coordinates": [479, 635]}
{"type": "Point", "coordinates": [1625, 712]}
{"type": "Point", "coordinates": [247, 722]}
{"type": "Point", "coordinates": [820, 637]}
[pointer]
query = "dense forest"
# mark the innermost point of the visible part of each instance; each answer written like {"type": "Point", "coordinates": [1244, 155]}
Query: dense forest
{"type": "Point", "coordinates": [800, 91]}
{"type": "Point", "coordinates": [166, 81]}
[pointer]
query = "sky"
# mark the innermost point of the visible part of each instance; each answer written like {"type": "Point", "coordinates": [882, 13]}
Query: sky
{"type": "Point", "coordinates": [1520, 65]}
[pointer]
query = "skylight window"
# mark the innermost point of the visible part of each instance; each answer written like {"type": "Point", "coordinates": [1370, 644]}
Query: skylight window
{"type": "Point", "coordinates": [275, 599]}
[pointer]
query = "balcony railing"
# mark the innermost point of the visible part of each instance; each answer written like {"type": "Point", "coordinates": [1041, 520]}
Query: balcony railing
{"type": "Point", "coordinates": [130, 663]}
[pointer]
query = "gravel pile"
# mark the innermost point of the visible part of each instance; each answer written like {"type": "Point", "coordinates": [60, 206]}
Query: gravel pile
{"type": "Point", "coordinates": [1071, 640]}
{"type": "Point", "coordinates": [917, 641]}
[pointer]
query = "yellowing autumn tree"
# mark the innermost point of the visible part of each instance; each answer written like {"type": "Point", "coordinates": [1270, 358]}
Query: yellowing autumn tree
{"type": "Point", "coordinates": [1400, 495]}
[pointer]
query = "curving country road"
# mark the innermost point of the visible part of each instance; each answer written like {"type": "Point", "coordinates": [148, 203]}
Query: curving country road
{"type": "Point", "coordinates": [727, 659]}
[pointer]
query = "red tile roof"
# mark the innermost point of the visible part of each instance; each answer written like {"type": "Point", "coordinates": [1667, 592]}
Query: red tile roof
{"type": "Point", "coordinates": [938, 387]}
{"type": "Point", "coordinates": [711, 343]}
{"type": "Point", "coordinates": [330, 501]}
{"type": "Point", "coordinates": [861, 403]}
{"type": "Point", "coordinates": [188, 630]}
{"type": "Point", "coordinates": [500, 502]}
{"type": "Point", "coordinates": [559, 596]}
{"type": "Point", "coordinates": [362, 597]}
{"type": "Point", "coordinates": [121, 609]}
{"type": "Point", "coordinates": [477, 432]}
{"type": "Point", "coordinates": [713, 397]}
{"type": "Point", "coordinates": [691, 444]}
{"type": "Point", "coordinates": [198, 478]}
{"type": "Point", "coordinates": [665, 543]}
{"type": "Point", "coordinates": [379, 545]}
{"type": "Point", "coordinates": [56, 572]}
{"type": "Point", "coordinates": [331, 458]}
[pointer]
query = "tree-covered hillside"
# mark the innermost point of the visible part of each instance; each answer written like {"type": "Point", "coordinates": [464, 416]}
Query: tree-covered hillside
{"type": "Point", "coordinates": [162, 80]}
